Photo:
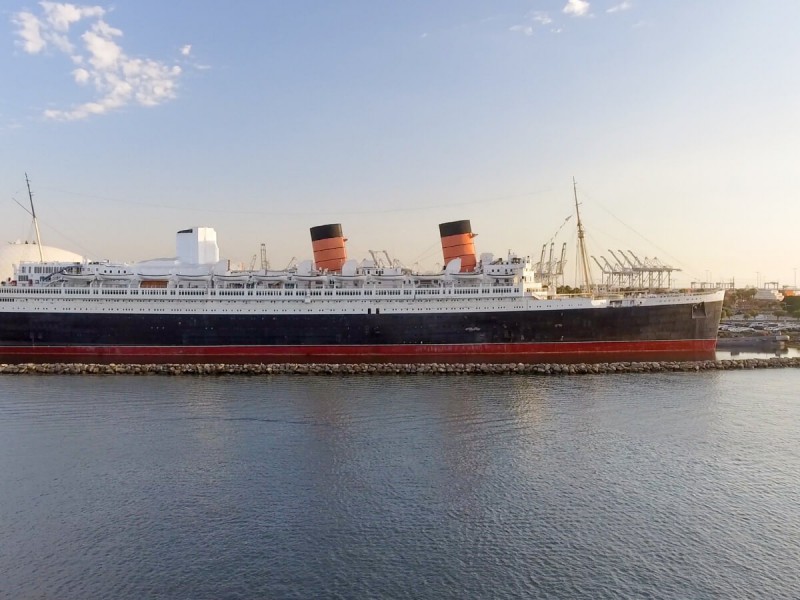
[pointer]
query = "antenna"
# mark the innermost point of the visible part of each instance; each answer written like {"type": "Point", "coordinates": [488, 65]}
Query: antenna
{"type": "Point", "coordinates": [583, 257]}
{"type": "Point", "coordinates": [35, 222]}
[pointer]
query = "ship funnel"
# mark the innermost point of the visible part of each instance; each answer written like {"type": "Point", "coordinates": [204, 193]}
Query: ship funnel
{"type": "Point", "coordinates": [457, 243]}
{"type": "Point", "coordinates": [197, 246]}
{"type": "Point", "coordinates": [329, 249]}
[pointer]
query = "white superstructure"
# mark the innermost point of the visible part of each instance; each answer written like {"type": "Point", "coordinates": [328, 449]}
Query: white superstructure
{"type": "Point", "coordinates": [196, 282]}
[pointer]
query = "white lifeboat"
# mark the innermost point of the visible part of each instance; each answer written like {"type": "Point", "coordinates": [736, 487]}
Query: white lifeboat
{"type": "Point", "coordinates": [78, 277]}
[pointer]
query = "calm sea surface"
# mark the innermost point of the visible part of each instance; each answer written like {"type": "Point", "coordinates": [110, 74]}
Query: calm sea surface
{"type": "Point", "coordinates": [680, 485]}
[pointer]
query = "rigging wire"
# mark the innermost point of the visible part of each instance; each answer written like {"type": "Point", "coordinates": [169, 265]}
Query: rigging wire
{"type": "Point", "coordinates": [688, 269]}
{"type": "Point", "coordinates": [315, 212]}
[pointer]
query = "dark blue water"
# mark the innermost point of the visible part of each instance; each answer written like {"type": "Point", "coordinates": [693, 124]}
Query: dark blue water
{"type": "Point", "coordinates": [680, 485]}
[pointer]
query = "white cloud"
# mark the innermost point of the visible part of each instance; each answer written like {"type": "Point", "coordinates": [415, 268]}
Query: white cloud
{"type": "Point", "coordinates": [30, 30]}
{"type": "Point", "coordinates": [118, 79]}
{"type": "Point", "coordinates": [80, 75]}
{"type": "Point", "coordinates": [523, 29]}
{"type": "Point", "coordinates": [578, 8]}
{"type": "Point", "coordinates": [624, 5]}
{"type": "Point", "coordinates": [60, 16]}
{"type": "Point", "coordinates": [104, 53]}
{"type": "Point", "coordinates": [535, 19]}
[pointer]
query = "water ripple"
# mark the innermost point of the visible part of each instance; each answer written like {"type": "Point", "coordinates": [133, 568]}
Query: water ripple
{"type": "Point", "coordinates": [662, 486]}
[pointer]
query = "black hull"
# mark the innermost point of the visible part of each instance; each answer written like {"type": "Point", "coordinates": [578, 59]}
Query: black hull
{"type": "Point", "coordinates": [625, 333]}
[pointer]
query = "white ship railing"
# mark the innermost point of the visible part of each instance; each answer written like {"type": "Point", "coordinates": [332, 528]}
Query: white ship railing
{"type": "Point", "coordinates": [254, 293]}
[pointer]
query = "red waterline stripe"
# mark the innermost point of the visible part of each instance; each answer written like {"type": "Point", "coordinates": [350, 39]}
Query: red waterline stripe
{"type": "Point", "coordinates": [518, 352]}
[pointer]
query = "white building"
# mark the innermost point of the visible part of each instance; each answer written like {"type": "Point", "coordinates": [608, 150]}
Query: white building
{"type": "Point", "coordinates": [16, 252]}
{"type": "Point", "coordinates": [772, 294]}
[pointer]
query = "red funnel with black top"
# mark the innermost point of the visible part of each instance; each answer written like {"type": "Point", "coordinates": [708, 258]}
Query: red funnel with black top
{"type": "Point", "coordinates": [329, 247]}
{"type": "Point", "coordinates": [457, 243]}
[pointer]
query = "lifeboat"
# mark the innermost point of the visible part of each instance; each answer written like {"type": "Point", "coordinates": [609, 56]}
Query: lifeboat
{"type": "Point", "coordinates": [232, 278]}
{"type": "Point", "coordinates": [270, 277]}
{"type": "Point", "coordinates": [116, 276]}
{"type": "Point", "coordinates": [467, 276]}
{"type": "Point", "coordinates": [389, 277]}
{"type": "Point", "coordinates": [185, 277]}
{"type": "Point", "coordinates": [349, 273]}
{"type": "Point", "coordinates": [311, 278]}
{"type": "Point", "coordinates": [349, 278]}
{"type": "Point", "coordinates": [79, 277]}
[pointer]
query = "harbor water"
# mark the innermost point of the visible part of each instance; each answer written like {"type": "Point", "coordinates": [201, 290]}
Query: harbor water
{"type": "Point", "coordinates": [660, 485]}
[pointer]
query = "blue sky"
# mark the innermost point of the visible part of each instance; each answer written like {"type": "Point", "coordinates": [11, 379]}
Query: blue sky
{"type": "Point", "coordinates": [678, 119]}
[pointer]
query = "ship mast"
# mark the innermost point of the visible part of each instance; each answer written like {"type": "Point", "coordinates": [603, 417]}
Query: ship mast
{"type": "Point", "coordinates": [35, 221]}
{"type": "Point", "coordinates": [583, 258]}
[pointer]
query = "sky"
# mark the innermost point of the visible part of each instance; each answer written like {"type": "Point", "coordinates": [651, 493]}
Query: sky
{"type": "Point", "coordinates": [679, 121]}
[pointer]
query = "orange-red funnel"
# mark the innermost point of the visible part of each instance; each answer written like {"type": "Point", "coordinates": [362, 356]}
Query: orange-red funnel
{"type": "Point", "coordinates": [329, 247]}
{"type": "Point", "coordinates": [457, 243]}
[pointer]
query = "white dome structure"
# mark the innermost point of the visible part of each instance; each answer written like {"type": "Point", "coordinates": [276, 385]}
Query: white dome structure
{"type": "Point", "coordinates": [16, 252]}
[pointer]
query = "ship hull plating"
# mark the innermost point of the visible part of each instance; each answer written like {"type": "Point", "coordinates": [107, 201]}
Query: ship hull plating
{"type": "Point", "coordinates": [661, 332]}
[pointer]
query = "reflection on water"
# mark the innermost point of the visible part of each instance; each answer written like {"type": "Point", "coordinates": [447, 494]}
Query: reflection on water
{"type": "Point", "coordinates": [659, 485]}
{"type": "Point", "coordinates": [745, 354]}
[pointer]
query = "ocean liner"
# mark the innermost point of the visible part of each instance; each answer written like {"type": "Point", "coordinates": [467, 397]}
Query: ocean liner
{"type": "Point", "coordinates": [479, 308]}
